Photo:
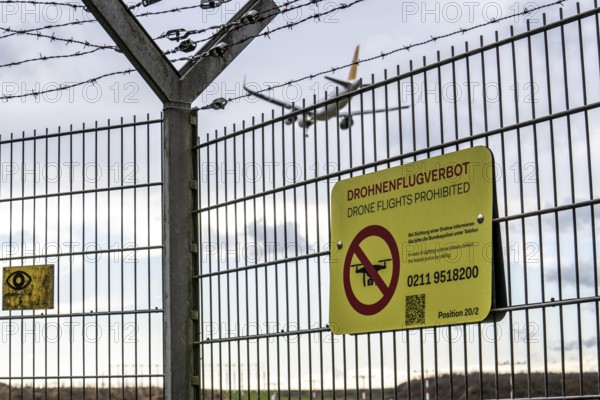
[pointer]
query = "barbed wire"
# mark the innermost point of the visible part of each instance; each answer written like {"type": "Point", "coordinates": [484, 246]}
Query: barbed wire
{"type": "Point", "coordinates": [310, 76]}
{"type": "Point", "coordinates": [63, 87]}
{"type": "Point", "coordinates": [164, 35]}
{"type": "Point", "coordinates": [54, 26]}
{"type": "Point", "coordinates": [80, 22]}
{"type": "Point", "coordinates": [138, 4]}
{"type": "Point", "coordinates": [185, 8]}
{"type": "Point", "coordinates": [56, 4]}
{"type": "Point", "coordinates": [184, 33]}
{"type": "Point", "coordinates": [267, 32]}
{"type": "Point", "coordinates": [60, 3]}
{"type": "Point", "coordinates": [93, 80]}
{"type": "Point", "coordinates": [36, 32]}
{"type": "Point", "coordinates": [42, 3]}
{"type": "Point", "coordinates": [47, 58]}
{"type": "Point", "coordinates": [54, 38]}
{"type": "Point", "coordinates": [223, 101]}
{"type": "Point", "coordinates": [16, 32]}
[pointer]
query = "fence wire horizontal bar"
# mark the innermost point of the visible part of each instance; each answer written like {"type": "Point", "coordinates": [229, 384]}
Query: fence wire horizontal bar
{"type": "Point", "coordinates": [82, 377]}
{"type": "Point", "coordinates": [82, 192]}
{"type": "Point", "coordinates": [282, 261]}
{"type": "Point", "coordinates": [264, 336]}
{"type": "Point", "coordinates": [69, 133]}
{"type": "Point", "coordinates": [412, 73]}
{"type": "Point", "coordinates": [404, 156]}
{"type": "Point", "coordinates": [83, 253]}
{"type": "Point", "coordinates": [513, 217]}
{"type": "Point", "coordinates": [288, 333]}
{"type": "Point", "coordinates": [553, 397]}
{"type": "Point", "coordinates": [548, 304]}
{"type": "Point", "coordinates": [551, 210]}
{"type": "Point", "coordinates": [114, 313]}
{"type": "Point", "coordinates": [264, 264]}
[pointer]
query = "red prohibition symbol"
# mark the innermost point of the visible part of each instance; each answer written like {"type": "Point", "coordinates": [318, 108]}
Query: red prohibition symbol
{"type": "Point", "coordinates": [386, 290]}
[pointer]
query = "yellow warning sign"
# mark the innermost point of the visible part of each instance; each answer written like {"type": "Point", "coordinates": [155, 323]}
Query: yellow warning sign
{"type": "Point", "coordinates": [412, 245]}
{"type": "Point", "coordinates": [28, 288]}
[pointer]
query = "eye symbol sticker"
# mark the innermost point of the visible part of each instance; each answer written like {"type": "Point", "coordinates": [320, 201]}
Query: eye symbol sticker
{"type": "Point", "coordinates": [18, 280]}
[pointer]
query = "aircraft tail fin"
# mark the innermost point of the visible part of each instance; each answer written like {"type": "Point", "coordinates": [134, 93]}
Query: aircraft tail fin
{"type": "Point", "coordinates": [354, 67]}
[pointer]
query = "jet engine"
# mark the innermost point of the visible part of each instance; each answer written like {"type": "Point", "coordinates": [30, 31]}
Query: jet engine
{"type": "Point", "coordinates": [304, 122]}
{"type": "Point", "coordinates": [346, 122]}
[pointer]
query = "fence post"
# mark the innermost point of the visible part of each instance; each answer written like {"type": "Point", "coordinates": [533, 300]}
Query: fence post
{"type": "Point", "coordinates": [178, 238]}
{"type": "Point", "coordinates": [177, 89]}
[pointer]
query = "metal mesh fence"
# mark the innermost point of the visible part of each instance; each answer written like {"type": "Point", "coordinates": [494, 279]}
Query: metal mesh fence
{"type": "Point", "coordinates": [87, 201]}
{"type": "Point", "coordinates": [264, 221]}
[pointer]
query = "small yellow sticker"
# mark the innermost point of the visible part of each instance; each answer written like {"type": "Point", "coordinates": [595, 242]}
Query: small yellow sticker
{"type": "Point", "coordinates": [28, 288]}
{"type": "Point", "coordinates": [412, 245]}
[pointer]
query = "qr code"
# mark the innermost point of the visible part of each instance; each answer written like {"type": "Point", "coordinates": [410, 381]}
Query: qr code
{"type": "Point", "coordinates": [415, 309]}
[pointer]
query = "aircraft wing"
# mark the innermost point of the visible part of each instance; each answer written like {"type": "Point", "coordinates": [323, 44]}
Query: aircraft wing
{"type": "Point", "coordinates": [377, 110]}
{"type": "Point", "coordinates": [340, 82]}
{"type": "Point", "coordinates": [270, 99]}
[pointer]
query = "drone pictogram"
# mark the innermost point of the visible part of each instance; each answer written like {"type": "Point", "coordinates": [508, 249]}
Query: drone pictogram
{"type": "Point", "coordinates": [363, 270]}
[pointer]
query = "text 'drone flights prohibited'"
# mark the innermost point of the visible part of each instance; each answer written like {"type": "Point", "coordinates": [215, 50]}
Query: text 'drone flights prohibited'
{"type": "Point", "coordinates": [413, 245]}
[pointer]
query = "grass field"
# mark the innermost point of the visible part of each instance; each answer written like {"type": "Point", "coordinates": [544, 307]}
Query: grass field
{"type": "Point", "coordinates": [486, 386]}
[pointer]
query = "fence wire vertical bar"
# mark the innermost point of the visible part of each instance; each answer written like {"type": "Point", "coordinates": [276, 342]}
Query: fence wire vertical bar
{"type": "Point", "coordinates": [594, 238]}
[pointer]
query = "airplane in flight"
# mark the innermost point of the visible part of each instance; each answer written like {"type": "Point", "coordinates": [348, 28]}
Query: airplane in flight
{"type": "Point", "coordinates": [333, 108]}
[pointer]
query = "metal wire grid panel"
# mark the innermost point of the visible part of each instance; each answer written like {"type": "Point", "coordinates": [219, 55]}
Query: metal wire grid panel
{"type": "Point", "coordinates": [264, 219]}
{"type": "Point", "coordinates": [87, 201]}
